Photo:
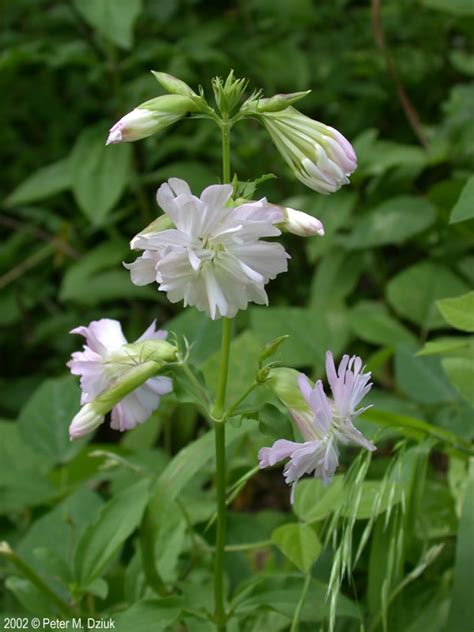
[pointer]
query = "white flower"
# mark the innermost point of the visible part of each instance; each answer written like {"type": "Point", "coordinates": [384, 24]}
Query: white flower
{"type": "Point", "coordinates": [215, 258]}
{"type": "Point", "coordinates": [323, 424]}
{"type": "Point", "coordinates": [319, 155]}
{"type": "Point", "coordinates": [104, 360]}
{"type": "Point", "coordinates": [301, 224]}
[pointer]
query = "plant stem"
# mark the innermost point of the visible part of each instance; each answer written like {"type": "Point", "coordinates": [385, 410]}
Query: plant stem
{"type": "Point", "coordinates": [296, 616]}
{"type": "Point", "coordinates": [219, 429]}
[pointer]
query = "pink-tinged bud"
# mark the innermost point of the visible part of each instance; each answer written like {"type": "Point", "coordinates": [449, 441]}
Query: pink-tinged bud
{"type": "Point", "coordinates": [301, 224]}
{"type": "Point", "coordinates": [319, 155]}
{"type": "Point", "coordinates": [86, 420]}
{"type": "Point", "coordinates": [150, 117]}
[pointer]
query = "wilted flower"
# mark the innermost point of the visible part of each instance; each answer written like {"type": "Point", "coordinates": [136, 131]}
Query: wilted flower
{"type": "Point", "coordinates": [319, 155]}
{"type": "Point", "coordinates": [323, 423]}
{"type": "Point", "coordinates": [150, 117]}
{"type": "Point", "coordinates": [215, 258]}
{"type": "Point", "coordinates": [105, 361]}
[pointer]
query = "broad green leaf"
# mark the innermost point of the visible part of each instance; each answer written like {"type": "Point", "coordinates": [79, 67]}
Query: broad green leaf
{"type": "Point", "coordinates": [460, 372]}
{"type": "Point", "coordinates": [459, 311]}
{"type": "Point", "coordinates": [299, 543]}
{"type": "Point", "coordinates": [455, 7]}
{"type": "Point", "coordinates": [99, 173]}
{"type": "Point", "coordinates": [421, 378]}
{"type": "Point", "coordinates": [31, 599]}
{"type": "Point", "coordinates": [393, 222]}
{"type": "Point", "coordinates": [42, 184]}
{"type": "Point", "coordinates": [461, 614]}
{"type": "Point", "coordinates": [413, 292]}
{"type": "Point", "coordinates": [99, 276]}
{"type": "Point", "coordinates": [23, 472]}
{"type": "Point", "coordinates": [113, 18]}
{"type": "Point", "coordinates": [101, 540]}
{"type": "Point", "coordinates": [315, 501]}
{"type": "Point", "coordinates": [149, 614]}
{"type": "Point", "coordinates": [464, 207]}
{"type": "Point", "coordinates": [44, 420]}
{"type": "Point", "coordinates": [336, 275]}
{"type": "Point", "coordinates": [372, 323]}
{"type": "Point", "coordinates": [311, 331]}
{"type": "Point", "coordinates": [444, 345]}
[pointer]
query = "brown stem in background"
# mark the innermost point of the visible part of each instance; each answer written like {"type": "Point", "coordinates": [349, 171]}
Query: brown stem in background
{"type": "Point", "coordinates": [407, 105]}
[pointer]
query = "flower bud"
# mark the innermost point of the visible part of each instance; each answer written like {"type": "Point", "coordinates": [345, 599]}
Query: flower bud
{"type": "Point", "coordinates": [301, 224]}
{"type": "Point", "coordinates": [150, 117]}
{"type": "Point", "coordinates": [173, 85]}
{"type": "Point", "coordinates": [319, 155]}
{"type": "Point", "coordinates": [87, 419]}
{"type": "Point", "coordinates": [276, 103]}
{"type": "Point", "coordinates": [284, 383]}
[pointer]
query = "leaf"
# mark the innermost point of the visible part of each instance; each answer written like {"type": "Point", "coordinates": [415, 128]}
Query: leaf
{"type": "Point", "coordinates": [393, 222]}
{"type": "Point", "coordinates": [421, 377]}
{"type": "Point", "coordinates": [23, 472]}
{"type": "Point", "coordinates": [456, 7]}
{"type": "Point", "coordinates": [113, 18]}
{"type": "Point", "coordinates": [461, 613]}
{"type": "Point", "coordinates": [460, 372]}
{"type": "Point", "coordinates": [336, 276]}
{"type": "Point", "coordinates": [99, 276]}
{"type": "Point", "coordinates": [101, 540]}
{"type": "Point", "coordinates": [299, 543]}
{"type": "Point", "coordinates": [149, 614]}
{"type": "Point", "coordinates": [459, 311]}
{"type": "Point", "coordinates": [444, 345]}
{"type": "Point", "coordinates": [372, 323]}
{"type": "Point", "coordinates": [413, 292]}
{"type": "Point", "coordinates": [44, 420]}
{"type": "Point", "coordinates": [375, 498]}
{"type": "Point", "coordinates": [464, 207]}
{"type": "Point", "coordinates": [315, 501]}
{"type": "Point", "coordinates": [99, 173]}
{"type": "Point", "coordinates": [42, 184]}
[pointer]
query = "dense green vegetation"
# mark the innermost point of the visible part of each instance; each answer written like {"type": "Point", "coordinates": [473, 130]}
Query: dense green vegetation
{"type": "Point", "coordinates": [390, 281]}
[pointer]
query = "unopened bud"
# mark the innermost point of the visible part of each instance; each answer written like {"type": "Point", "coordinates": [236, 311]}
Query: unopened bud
{"type": "Point", "coordinates": [284, 383]}
{"type": "Point", "coordinates": [301, 224]}
{"type": "Point", "coordinates": [173, 85]}
{"type": "Point", "coordinates": [87, 419]}
{"type": "Point", "coordinates": [276, 103]}
{"type": "Point", "coordinates": [150, 117]}
{"type": "Point", "coordinates": [271, 348]}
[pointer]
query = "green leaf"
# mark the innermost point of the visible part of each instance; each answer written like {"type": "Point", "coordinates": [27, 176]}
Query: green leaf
{"type": "Point", "coordinates": [42, 184]}
{"type": "Point", "coordinates": [99, 276]}
{"type": "Point", "coordinates": [336, 276]}
{"type": "Point", "coordinates": [299, 543]}
{"type": "Point", "coordinates": [375, 498]}
{"type": "Point", "coordinates": [113, 18]}
{"type": "Point", "coordinates": [44, 420]}
{"type": "Point", "coordinates": [393, 222]}
{"type": "Point", "coordinates": [464, 207]}
{"type": "Point", "coordinates": [444, 345]}
{"type": "Point", "coordinates": [421, 377]}
{"type": "Point", "coordinates": [455, 7]}
{"type": "Point", "coordinates": [315, 501]}
{"type": "Point", "coordinates": [461, 614]}
{"type": "Point", "coordinates": [23, 472]}
{"type": "Point", "coordinates": [149, 614]}
{"type": "Point", "coordinates": [101, 540]}
{"type": "Point", "coordinates": [459, 311]}
{"type": "Point", "coordinates": [99, 173]}
{"type": "Point", "coordinates": [372, 323]}
{"type": "Point", "coordinates": [460, 372]}
{"type": "Point", "coordinates": [413, 292]}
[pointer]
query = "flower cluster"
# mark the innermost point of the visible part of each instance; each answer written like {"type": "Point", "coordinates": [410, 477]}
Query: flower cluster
{"type": "Point", "coordinates": [323, 423]}
{"type": "Point", "coordinates": [108, 360]}
{"type": "Point", "coordinates": [319, 155]}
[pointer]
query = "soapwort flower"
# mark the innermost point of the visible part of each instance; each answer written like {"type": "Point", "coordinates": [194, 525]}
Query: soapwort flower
{"type": "Point", "coordinates": [323, 423]}
{"type": "Point", "coordinates": [214, 258]}
{"type": "Point", "coordinates": [109, 365]}
{"type": "Point", "coordinates": [320, 156]}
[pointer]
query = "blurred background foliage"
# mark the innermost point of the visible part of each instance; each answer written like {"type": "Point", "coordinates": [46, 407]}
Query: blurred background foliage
{"type": "Point", "coordinates": [396, 78]}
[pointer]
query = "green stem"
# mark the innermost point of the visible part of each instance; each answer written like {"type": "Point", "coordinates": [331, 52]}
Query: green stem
{"type": "Point", "coordinates": [219, 429]}
{"type": "Point", "coordinates": [236, 404]}
{"type": "Point", "coordinates": [296, 616]}
{"type": "Point", "coordinates": [34, 578]}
